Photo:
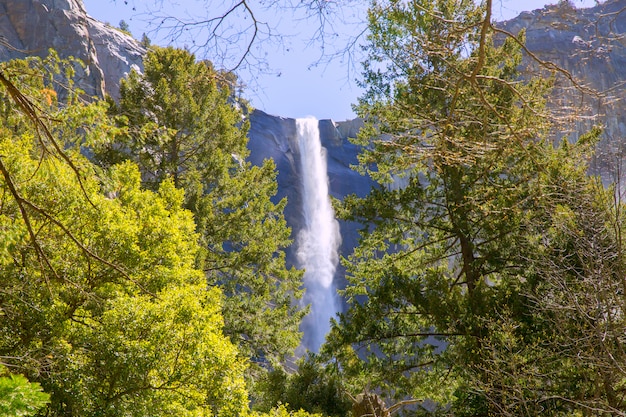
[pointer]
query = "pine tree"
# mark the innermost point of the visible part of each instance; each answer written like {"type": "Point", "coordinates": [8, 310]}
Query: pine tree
{"type": "Point", "coordinates": [440, 286]}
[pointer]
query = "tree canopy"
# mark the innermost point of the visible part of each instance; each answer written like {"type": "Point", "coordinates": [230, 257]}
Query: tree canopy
{"type": "Point", "coordinates": [142, 264]}
{"type": "Point", "coordinates": [102, 301]}
{"type": "Point", "coordinates": [178, 120]}
{"type": "Point", "coordinates": [453, 289]}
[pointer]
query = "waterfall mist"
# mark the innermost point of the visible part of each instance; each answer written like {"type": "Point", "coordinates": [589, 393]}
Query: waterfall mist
{"type": "Point", "coordinates": [319, 240]}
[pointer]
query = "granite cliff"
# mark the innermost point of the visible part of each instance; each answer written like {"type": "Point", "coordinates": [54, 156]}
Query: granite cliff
{"type": "Point", "coordinates": [273, 137]}
{"type": "Point", "coordinates": [591, 45]}
{"type": "Point", "coordinates": [32, 27]}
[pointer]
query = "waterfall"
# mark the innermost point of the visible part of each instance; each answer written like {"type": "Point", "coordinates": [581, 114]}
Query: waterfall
{"type": "Point", "coordinates": [319, 240]}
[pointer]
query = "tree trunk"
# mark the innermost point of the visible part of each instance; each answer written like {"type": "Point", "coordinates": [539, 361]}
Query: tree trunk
{"type": "Point", "coordinates": [369, 405]}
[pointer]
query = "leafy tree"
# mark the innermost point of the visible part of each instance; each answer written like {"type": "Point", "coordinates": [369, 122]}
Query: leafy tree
{"type": "Point", "coordinates": [576, 285]}
{"type": "Point", "coordinates": [314, 386]}
{"type": "Point", "coordinates": [440, 284]}
{"type": "Point", "coordinates": [178, 121]}
{"type": "Point", "coordinates": [18, 397]}
{"type": "Point", "coordinates": [145, 41]}
{"type": "Point", "coordinates": [145, 336]}
{"type": "Point", "coordinates": [555, 348]}
{"type": "Point", "coordinates": [101, 301]}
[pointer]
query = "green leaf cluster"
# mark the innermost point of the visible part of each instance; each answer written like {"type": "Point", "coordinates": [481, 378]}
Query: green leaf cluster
{"type": "Point", "coordinates": [18, 397]}
{"type": "Point", "coordinates": [282, 411]}
{"type": "Point", "coordinates": [314, 386]}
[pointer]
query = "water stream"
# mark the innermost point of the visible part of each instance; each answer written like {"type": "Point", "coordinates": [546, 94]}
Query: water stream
{"type": "Point", "coordinates": [319, 240]}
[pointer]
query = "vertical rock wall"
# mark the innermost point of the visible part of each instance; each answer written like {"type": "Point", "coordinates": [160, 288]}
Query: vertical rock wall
{"type": "Point", "coordinates": [591, 45]}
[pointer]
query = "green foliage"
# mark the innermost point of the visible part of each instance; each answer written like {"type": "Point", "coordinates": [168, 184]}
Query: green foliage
{"type": "Point", "coordinates": [177, 121]}
{"type": "Point", "coordinates": [314, 387]}
{"type": "Point", "coordinates": [145, 41]}
{"type": "Point", "coordinates": [18, 397]}
{"type": "Point", "coordinates": [475, 227]}
{"type": "Point", "coordinates": [576, 281]}
{"type": "Point", "coordinates": [101, 301]}
{"type": "Point", "coordinates": [282, 411]}
{"type": "Point", "coordinates": [124, 26]}
{"type": "Point", "coordinates": [462, 147]}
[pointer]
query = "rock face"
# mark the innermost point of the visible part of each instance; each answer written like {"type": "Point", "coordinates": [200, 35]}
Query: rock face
{"type": "Point", "coordinates": [591, 45]}
{"type": "Point", "coordinates": [587, 42]}
{"type": "Point", "coordinates": [32, 27]}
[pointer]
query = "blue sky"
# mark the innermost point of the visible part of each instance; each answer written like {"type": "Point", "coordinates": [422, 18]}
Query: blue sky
{"type": "Point", "coordinates": [292, 85]}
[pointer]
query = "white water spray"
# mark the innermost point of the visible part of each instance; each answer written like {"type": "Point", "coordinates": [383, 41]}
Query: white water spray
{"type": "Point", "coordinates": [319, 239]}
